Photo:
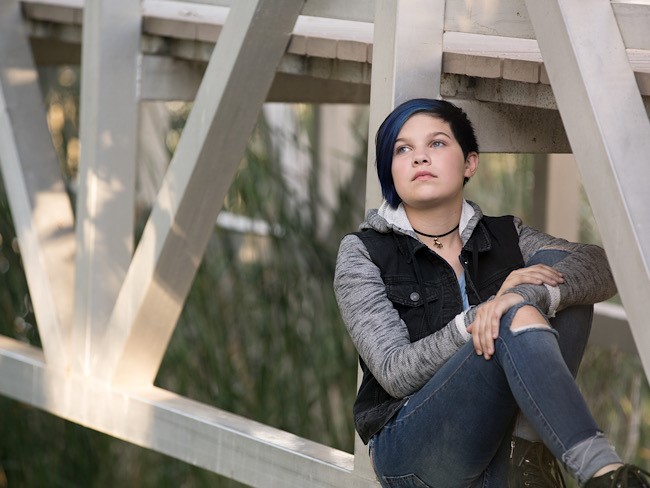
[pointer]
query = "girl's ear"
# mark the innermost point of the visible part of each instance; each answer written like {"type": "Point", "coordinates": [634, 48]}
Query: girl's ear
{"type": "Point", "coordinates": [471, 164]}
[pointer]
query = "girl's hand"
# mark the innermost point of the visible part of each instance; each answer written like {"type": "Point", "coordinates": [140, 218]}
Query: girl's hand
{"type": "Point", "coordinates": [485, 328]}
{"type": "Point", "coordinates": [538, 274]}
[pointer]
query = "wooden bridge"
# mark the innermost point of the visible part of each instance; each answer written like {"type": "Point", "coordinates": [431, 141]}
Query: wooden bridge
{"type": "Point", "coordinates": [553, 76]}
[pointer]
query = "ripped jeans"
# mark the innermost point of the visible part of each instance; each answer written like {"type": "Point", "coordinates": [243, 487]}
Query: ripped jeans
{"type": "Point", "coordinates": [455, 431]}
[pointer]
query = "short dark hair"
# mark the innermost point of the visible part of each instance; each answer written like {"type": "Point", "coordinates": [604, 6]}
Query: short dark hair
{"type": "Point", "coordinates": [388, 131]}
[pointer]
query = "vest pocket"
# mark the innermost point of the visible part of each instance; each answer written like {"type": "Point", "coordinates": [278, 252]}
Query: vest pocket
{"type": "Point", "coordinates": [407, 298]}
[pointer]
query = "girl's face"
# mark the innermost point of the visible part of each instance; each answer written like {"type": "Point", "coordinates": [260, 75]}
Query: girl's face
{"type": "Point", "coordinates": [428, 164]}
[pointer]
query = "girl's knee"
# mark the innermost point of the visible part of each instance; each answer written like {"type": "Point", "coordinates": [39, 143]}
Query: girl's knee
{"type": "Point", "coordinates": [527, 317]}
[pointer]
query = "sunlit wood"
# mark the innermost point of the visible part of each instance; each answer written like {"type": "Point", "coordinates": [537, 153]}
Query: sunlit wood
{"type": "Point", "coordinates": [40, 206]}
{"type": "Point", "coordinates": [106, 194]}
{"type": "Point", "coordinates": [204, 436]}
{"type": "Point", "coordinates": [181, 222]}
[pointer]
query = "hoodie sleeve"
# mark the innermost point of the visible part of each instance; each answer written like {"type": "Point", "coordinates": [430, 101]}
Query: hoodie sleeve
{"type": "Point", "coordinates": [378, 332]}
{"type": "Point", "coordinates": [587, 276]}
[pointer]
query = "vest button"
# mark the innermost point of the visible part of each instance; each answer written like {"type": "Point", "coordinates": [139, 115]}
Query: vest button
{"type": "Point", "coordinates": [415, 296]}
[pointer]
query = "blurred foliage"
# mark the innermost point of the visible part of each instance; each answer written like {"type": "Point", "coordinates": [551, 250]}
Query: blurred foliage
{"type": "Point", "coordinates": [17, 316]}
{"type": "Point", "coordinates": [260, 334]}
{"type": "Point", "coordinates": [504, 184]}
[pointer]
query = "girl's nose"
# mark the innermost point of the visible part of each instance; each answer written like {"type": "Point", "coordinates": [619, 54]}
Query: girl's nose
{"type": "Point", "coordinates": [420, 158]}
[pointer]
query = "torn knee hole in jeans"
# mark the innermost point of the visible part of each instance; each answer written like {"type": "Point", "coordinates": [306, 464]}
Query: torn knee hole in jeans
{"type": "Point", "coordinates": [524, 328]}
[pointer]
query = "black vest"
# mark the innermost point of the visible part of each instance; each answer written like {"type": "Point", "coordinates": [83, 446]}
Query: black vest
{"type": "Point", "coordinates": [424, 290]}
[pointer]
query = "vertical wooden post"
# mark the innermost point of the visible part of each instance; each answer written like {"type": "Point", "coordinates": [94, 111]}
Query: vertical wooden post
{"type": "Point", "coordinates": [407, 63]}
{"type": "Point", "coordinates": [105, 201]}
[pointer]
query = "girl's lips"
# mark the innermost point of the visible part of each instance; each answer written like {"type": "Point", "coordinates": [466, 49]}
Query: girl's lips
{"type": "Point", "coordinates": [423, 175]}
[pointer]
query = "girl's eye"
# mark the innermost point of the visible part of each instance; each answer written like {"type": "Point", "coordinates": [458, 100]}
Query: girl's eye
{"type": "Point", "coordinates": [437, 144]}
{"type": "Point", "coordinates": [401, 150]}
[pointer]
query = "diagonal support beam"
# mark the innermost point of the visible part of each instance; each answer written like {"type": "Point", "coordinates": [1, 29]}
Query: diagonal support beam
{"type": "Point", "coordinates": [609, 131]}
{"type": "Point", "coordinates": [106, 198]}
{"type": "Point", "coordinates": [229, 99]}
{"type": "Point", "coordinates": [39, 203]}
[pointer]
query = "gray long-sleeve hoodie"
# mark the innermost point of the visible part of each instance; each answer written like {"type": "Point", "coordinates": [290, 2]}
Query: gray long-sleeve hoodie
{"type": "Point", "coordinates": [382, 338]}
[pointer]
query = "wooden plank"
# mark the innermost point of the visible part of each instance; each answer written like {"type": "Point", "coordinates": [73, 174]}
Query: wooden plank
{"type": "Point", "coordinates": [488, 56]}
{"type": "Point", "coordinates": [39, 203]}
{"type": "Point", "coordinates": [504, 18]}
{"type": "Point", "coordinates": [517, 70]}
{"type": "Point", "coordinates": [501, 91]}
{"type": "Point", "coordinates": [321, 48]}
{"type": "Point", "coordinates": [492, 46]}
{"type": "Point", "coordinates": [225, 111]}
{"type": "Point", "coordinates": [166, 78]}
{"type": "Point", "coordinates": [106, 191]}
{"type": "Point", "coordinates": [204, 436]}
{"type": "Point", "coordinates": [336, 30]}
{"type": "Point", "coordinates": [359, 10]}
{"type": "Point", "coordinates": [63, 11]}
{"type": "Point", "coordinates": [594, 84]}
{"type": "Point", "coordinates": [633, 19]}
{"type": "Point", "coordinates": [183, 19]}
{"type": "Point", "coordinates": [510, 18]}
{"type": "Point", "coordinates": [351, 51]}
{"type": "Point", "coordinates": [640, 63]}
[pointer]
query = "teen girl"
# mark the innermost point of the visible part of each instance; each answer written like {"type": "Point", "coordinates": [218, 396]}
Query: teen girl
{"type": "Point", "coordinates": [449, 312]}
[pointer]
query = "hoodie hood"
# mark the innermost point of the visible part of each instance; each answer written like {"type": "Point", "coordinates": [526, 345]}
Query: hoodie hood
{"type": "Point", "coordinates": [387, 219]}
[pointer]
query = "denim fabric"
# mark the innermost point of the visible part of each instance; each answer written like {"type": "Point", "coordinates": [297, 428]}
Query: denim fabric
{"type": "Point", "coordinates": [573, 324]}
{"type": "Point", "coordinates": [455, 431]}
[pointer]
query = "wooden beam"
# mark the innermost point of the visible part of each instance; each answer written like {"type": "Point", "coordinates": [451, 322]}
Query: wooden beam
{"type": "Point", "coordinates": [609, 131]}
{"type": "Point", "coordinates": [173, 242]}
{"type": "Point", "coordinates": [106, 195]}
{"type": "Point", "coordinates": [166, 78]}
{"type": "Point", "coordinates": [406, 63]}
{"type": "Point", "coordinates": [204, 436]}
{"type": "Point", "coordinates": [360, 10]}
{"type": "Point", "coordinates": [39, 203]}
{"type": "Point", "coordinates": [505, 18]}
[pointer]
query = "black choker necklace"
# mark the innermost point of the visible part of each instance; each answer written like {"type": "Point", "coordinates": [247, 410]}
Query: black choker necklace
{"type": "Point", "coordinates": [436, 242]}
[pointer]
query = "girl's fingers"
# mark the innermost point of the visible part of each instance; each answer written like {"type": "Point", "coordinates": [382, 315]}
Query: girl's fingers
{"type": "Point", "coordinates": [536, 275]}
